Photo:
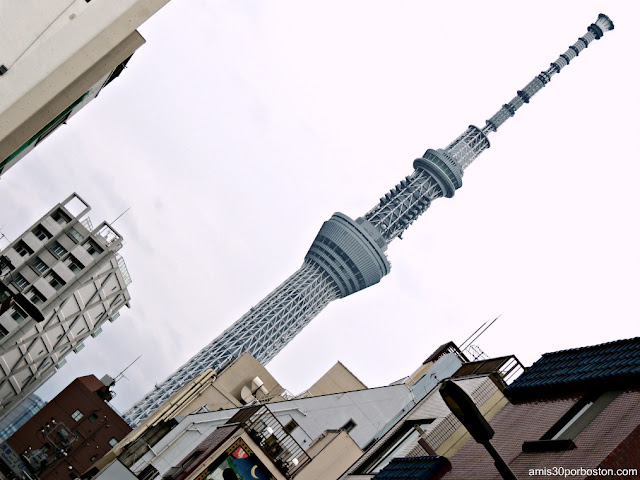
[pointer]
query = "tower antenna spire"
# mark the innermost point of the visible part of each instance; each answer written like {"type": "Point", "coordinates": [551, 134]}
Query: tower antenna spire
{"type": "Point", "coordinates": [348, 255]}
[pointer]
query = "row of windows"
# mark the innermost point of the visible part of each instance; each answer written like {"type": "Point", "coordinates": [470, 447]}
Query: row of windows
{"type": "Point", "coordinates": [43, 234]}
{"type": "Point", "coordinates": [77, 415]}
{"type": "Point", "coordinates": [56, 249]}
{"type": "Point", "coordinates": [54, 280]}
{"type": "Point", "coordinates": [52, 277]}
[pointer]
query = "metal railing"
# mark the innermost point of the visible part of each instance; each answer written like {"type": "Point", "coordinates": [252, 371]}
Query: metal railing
{"type": "Point", "coordinates": [267, 431]}
{"type": "Point", "coordinates": [87, 224]}
{"type": "Point", "coordinates": [124, 270]}
{"type": "Point", "coordinates": [506, 369]}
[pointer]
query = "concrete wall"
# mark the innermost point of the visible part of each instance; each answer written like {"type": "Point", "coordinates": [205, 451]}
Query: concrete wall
{"type": "Point", "coordinates": [332, 453]}
{"type": "Point", "coordinates": [55, 53]}
{"type": "Point", "coordinates": [115, 471]}
{"type": "Point", "coordinates": [337, 379]}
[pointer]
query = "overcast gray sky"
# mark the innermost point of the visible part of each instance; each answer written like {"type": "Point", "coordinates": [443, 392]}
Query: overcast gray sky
{"type": "Point", "coordinates": [241, 126]}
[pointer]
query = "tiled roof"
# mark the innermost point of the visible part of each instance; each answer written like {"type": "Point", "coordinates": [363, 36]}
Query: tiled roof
{"type": "Point", "coordinates": [415, 468]}
{"type": "Point", "coordinates": [610, 365]}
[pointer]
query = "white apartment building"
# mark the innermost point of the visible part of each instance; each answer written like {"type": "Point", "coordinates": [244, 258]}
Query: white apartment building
{"type": "Point", "coordinates": [56, 56]}
{"type": "Point", "coordinates": [73, 274]}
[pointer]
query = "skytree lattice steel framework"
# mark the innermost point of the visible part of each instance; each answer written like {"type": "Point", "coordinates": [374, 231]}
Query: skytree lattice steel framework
{"type": "Point", "coordinates": [346, 255]}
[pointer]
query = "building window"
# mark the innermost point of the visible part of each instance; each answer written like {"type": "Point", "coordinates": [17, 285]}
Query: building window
{"type": "Point", "coordinates": [291, 426]}
{"type": "Point", "coordinates": [23, 249]}
{"type": "Point", "coordinates": [58, 250]}
{"type": "Point", "coordinates": [5, 266]}
{"type": "Point", "coordinates": [3, 332]}
{"type": "Point", "coordinates": [561, 435]}
{"type": "Point", "coordinates": [54, 280]}
{"type": "Point", "coordinates": [93, 417]}
{"type": "Point", "coordinates": [18, 314]}
{"type": "Point", "coordinates": [41, 233]}
{"type": "Point", "coordinates": [20, 281]}
{"type": "Point", "coordinates": [77, 415]}
{"type": "Point", "coordinates": [149, 473]}
{"type": "Point", "coordinates": [51, 128]}
{"type": "Point", "coordinates": [113, 441]}
{"type": "Point", "coordinates": [74, 264]}
{"type": "Point", "coordinates": [395, 446]}
{"type": "Point", "coordinates": [36, 297]}
{"type": "Point", "coordinates": [60, 217]}
{"type": "Point", "coordinates": [350, 425]}
{"type": "Point", "coordinates": [75, 235]}
{"type": "Point", "coordinates": [93, 249]}
{"type": "Point", "coordinates": [39, 266]}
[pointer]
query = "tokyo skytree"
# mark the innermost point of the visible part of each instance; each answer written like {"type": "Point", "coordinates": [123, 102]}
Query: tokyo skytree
{"type": "Point", "coordinates": [348, 255]}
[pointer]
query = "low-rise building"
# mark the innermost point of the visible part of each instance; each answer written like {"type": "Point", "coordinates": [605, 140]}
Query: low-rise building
{"type": "Point", "coordinates": [76, 428]}
{"type": "Point", "coordinates": [574, 413]}
{"type": "Point", "coordinates": [429, 429]}
{"type": "Point", "coordinates": [315, 435]}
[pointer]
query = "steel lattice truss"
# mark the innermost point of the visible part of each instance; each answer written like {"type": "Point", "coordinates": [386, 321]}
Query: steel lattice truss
{"type": "Point", "coordinates": [404, 203]}
{"type": "Point", "coordinates": [263, 331]}
{"type": "Point", "coordinates": [412, 196]}
{"type": "Point", "coordinates": [348, 255]}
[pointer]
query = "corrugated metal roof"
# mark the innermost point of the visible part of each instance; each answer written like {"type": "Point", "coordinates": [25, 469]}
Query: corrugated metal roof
{"type": "Point", "coordinates": [431, 467]}
{"type": "Point", "coordinates": [613, 364]}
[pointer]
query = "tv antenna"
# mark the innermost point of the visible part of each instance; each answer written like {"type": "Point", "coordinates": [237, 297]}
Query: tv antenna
{"type": "Point", "coordinates": [479, 332]}
{"type": "Point", "coordinates": [121, 374]}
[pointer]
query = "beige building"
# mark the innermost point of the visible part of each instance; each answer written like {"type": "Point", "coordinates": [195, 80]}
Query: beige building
{"type": "Point", "coordinates": [317, 434]}
{"type": "Point", "coordinates": [56, 57]}
{"type": "Point", "coordinates": [268, 444]}
{"type": "Point", "coordinates": [430, 428]}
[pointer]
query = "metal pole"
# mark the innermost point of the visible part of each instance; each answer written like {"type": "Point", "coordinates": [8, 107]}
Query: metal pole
{"type": "Point", "coordinates": [498, 461]}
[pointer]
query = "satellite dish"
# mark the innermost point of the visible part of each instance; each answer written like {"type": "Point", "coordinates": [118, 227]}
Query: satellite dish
{"type": "Point", "coordinates": [246, 395]}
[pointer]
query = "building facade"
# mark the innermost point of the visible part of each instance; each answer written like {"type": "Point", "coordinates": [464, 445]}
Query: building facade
{"type": "Point", "coordinates": [317, 434]}
{"type": "Point", "coordinates": [429, 429]}
{"type": "Point", "coordinates": [573, 414]}
{"type": "Point", "coordinates": [56, 57]}
{"type": "Point", "coordinates": [20, 415]}
{"type": "Point", "coordinates": [72, 431]}
{"type": "Point", "coordinates": [72, 273]}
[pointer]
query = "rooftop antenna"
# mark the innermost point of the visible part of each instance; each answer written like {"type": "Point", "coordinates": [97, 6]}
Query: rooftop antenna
{"type": "Point", "coordinates": [3, 236]}
{"type": "Point", "coordinates": [129, 208]}
{"type": "Point", "coordinates": [121, 374]}
{"type": "Point", "coordinates": [476, 331]}
{"type": "Point", "coordinates": [468, 342]}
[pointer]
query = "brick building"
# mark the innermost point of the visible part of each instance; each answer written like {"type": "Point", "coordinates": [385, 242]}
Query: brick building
{"type": "Point", "coordinates": [72, 431]}
{"type": "Point", "coordinates": [572, 414]}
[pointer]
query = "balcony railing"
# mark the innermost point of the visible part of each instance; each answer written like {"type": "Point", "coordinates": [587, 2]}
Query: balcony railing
{"type": "Point", "coordinates": [505, 369]}
{"type": "Point", "coordinates": [124, 270]}
{"type": "Point", "coordinates": [267, 431]}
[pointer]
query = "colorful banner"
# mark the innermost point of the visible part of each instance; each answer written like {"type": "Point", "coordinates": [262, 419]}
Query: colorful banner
{"type": "Point", "coordinates": [237, 463]}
